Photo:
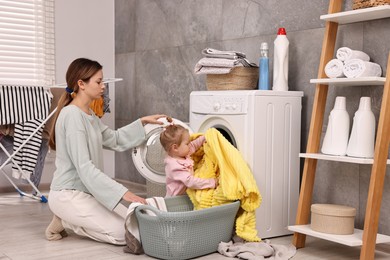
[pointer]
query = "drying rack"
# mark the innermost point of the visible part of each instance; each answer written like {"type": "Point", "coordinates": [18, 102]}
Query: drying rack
{"type": "Point", "coordinates": [38, 195]}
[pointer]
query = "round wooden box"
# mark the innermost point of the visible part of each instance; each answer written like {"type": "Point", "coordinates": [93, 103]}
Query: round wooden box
{"type": "Point", "coordinates": [333, 219]}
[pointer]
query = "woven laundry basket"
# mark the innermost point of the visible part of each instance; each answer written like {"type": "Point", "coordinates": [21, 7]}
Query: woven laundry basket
{"type": "Point", "coordinates": [240, 78]}
{"type": "Point", "coordinates": [357, 4]}
{"type": "Point", "coordinates": [182, 233]}
{"type": "Point", "coordinates": [333, 219]}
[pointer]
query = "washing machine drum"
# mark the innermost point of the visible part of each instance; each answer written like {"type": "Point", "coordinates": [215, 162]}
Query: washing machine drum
{"type": "Point", "coordinates": [149, 157]}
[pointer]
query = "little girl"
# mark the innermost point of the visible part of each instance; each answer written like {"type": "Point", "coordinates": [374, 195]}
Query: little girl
{"type": "Point", "coordinates": [178, 164]}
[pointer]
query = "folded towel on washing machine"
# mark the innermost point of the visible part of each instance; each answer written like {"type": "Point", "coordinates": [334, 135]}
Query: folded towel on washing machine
{"type": "Point", "coordinates": [219, 158]}
{"type": "Point", "coordinates": [215, 66]}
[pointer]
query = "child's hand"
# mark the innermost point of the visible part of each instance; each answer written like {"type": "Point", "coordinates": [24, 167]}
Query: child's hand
{"type": "Point", "coordinates": [216, 182]}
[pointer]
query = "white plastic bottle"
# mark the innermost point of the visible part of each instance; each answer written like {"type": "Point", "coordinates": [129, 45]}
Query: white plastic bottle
{"type": "Point", "coordinates": [281, 45]}
{"type": "Point", "coordinates": [336, 136]}
{"type": "Point", "coordinates": [362, 140]}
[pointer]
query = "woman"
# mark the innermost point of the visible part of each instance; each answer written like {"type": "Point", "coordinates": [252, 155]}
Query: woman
{"type": "Point", "coordinates": [82, 197]}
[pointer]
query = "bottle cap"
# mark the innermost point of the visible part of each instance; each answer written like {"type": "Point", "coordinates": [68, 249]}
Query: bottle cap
{"type": "Point", "coordinates": [282, 31]}
{"type": "Point", "coordinates": [264, 46]}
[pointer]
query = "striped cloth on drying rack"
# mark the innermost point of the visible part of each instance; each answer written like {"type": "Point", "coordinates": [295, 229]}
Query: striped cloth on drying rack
{"type": "Point", "coordinates": [26, 107]}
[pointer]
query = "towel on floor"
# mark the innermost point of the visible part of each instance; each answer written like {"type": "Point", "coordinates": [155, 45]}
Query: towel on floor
{"type": "Point", "coordinates": [334, 69]}
{"type": "Point", "coordinates": [256, 250]}
{"type": "Point", "coordinates": [219, 158]}
{"type": "Point", "coordinates": [132, 237]}
{"type": "Point", "coordinates": [356, 68]}
{"type": "Point", "coordinates": [345, 53]}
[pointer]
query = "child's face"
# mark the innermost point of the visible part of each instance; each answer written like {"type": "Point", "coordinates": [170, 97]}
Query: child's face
{"type": "Point", "coordinates": [183, 149]}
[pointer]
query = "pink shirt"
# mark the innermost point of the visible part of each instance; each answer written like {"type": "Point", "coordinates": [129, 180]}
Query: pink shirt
{"type": "Point", "coordinates": [179, 172]}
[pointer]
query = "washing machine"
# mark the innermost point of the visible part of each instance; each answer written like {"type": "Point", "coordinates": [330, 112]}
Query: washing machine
{"type": "Point", "coordinates": [265, 126]}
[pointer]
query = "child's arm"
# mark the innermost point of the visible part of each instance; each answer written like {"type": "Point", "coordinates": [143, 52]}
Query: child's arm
{"type": "Point", "coordinates": [196, 144]}
{"type": "Point", "coordinates": [193, 182]}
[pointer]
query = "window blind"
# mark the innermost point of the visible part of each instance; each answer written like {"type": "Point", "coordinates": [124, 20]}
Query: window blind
{"type": "Point", "coordinates": [27, 47]}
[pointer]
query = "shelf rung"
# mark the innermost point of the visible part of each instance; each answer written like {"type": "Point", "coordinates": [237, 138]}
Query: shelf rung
{"type": "Point", "coordinates": [351, 82]}
{"type": "Point", "coordinates": [336, 158]}
{"type": "Point", "coordinates": [350, 240]}
{"type": "Point", "coordinates": [359, 15]}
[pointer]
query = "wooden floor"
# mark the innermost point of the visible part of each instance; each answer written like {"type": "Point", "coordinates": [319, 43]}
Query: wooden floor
{"type": "Point", "coordinates": [23, 221]}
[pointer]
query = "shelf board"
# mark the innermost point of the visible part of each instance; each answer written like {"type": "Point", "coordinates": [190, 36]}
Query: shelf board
{"type": "Point", "coordinates": [359, 15]}
{"type": "Point", "coordinates": [345, 82]}
{"type": "Point", "coordinates": [350, 240]}
{"type": "Point", "coordinates": [336, 158]}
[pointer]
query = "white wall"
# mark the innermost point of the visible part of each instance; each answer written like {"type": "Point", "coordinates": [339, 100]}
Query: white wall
{"type": "Point", "coordinates": [85, 28]}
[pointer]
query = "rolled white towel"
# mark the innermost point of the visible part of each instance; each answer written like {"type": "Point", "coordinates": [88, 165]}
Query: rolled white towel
{"type": "Point", "coordinates": [356, 68]}
{"type": "Point", "coordinates": [345, 53]}
{"type": "Point", "coordinates": [334, 69]}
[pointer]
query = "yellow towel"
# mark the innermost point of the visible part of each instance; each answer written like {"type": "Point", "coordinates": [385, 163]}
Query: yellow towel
{"type": "Point", "coordinates": [219, 159]}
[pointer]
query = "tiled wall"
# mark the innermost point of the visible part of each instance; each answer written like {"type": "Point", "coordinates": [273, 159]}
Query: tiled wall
{"type": "Point", "coordinates": [159, 42]}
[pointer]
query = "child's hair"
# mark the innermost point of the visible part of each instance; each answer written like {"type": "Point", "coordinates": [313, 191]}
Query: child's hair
{"type": "Point", "coordinates": [173, 134]}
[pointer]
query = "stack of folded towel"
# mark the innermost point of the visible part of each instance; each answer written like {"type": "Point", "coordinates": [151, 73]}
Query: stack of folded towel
{"type": "Point", "coordinates": [221, 62]}
{"type": "Point", "coordinates": [352, 64]}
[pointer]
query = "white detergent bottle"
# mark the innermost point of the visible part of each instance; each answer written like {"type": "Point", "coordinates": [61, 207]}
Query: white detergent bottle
{"type": "Point", "coordinates": [336, 136]}
{"type": "Point", "coordinates": [362, 140]}
{"type": "Point", "coordinates": [281, 45]}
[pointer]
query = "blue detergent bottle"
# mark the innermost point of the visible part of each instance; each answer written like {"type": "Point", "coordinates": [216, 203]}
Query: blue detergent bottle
{"type": "Point", "coordinates": [264, 67]}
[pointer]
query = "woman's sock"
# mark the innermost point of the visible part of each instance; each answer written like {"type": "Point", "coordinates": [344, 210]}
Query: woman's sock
{"type": "Point", "coordinates": [55, 230]}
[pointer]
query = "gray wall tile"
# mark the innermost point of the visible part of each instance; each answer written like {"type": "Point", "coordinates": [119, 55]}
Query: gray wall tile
{"type": "Point", "coordinates": [175, 23]}
{"type": "Point", "coordinates": [124, 26]}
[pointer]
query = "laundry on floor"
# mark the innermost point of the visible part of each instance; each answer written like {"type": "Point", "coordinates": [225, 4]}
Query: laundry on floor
{"type": "Point", "coordinates": [256, 250]}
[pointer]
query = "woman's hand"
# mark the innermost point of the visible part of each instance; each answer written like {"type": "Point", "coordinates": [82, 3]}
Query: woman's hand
{"type": "Point", "coordinates": [131, 197]}
{"type": "Point", "coordinates": [152, 119]}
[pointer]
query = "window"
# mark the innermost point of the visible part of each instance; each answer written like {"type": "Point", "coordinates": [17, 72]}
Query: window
{"type": "Point", "coordinates": [27, 50]}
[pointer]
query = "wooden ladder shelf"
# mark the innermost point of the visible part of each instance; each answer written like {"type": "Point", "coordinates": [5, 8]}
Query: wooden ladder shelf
{"type": "Point", "coordinates": [369, 237]}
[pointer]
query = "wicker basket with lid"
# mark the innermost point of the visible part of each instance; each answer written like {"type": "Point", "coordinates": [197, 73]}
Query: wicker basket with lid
{"type": "Point", "coordinates": [333, 219]}
{"type": "Point", "coordinates": [357, 4]}
{"type": "Point", "coordinates": [240, 78]}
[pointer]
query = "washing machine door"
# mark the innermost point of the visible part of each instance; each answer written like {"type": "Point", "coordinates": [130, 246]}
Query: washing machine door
{"type": "Point", "coordinates": [149, 157]}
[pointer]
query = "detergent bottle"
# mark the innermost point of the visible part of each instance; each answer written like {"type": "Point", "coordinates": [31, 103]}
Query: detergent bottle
{"type": "Point", "coordinates": [281, 46]}
{"type": "Point", "coordinates": [336, 136]}
{"type": "Point", "coordinates": [264, 67]}
{"type": "Point", "coordinates": [362, 140]}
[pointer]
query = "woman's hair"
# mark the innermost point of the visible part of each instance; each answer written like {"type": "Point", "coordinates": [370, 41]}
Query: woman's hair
{"type": "Point", "coordinates": [173, 134]}
{"type": "Point", "coordinates": [83, 69]}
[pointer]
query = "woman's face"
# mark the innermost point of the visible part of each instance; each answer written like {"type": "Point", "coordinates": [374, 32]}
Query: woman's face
{"type": "Point", "coordinates": [94, 88]}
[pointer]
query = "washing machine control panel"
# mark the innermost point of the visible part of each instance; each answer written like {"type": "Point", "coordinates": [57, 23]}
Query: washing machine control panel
{"type": "Point", "coordinates": [219, 105]}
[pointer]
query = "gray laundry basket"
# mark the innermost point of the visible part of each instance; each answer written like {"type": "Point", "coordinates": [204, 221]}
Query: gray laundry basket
{"type": "Point", "coordinates": [182, 233]}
